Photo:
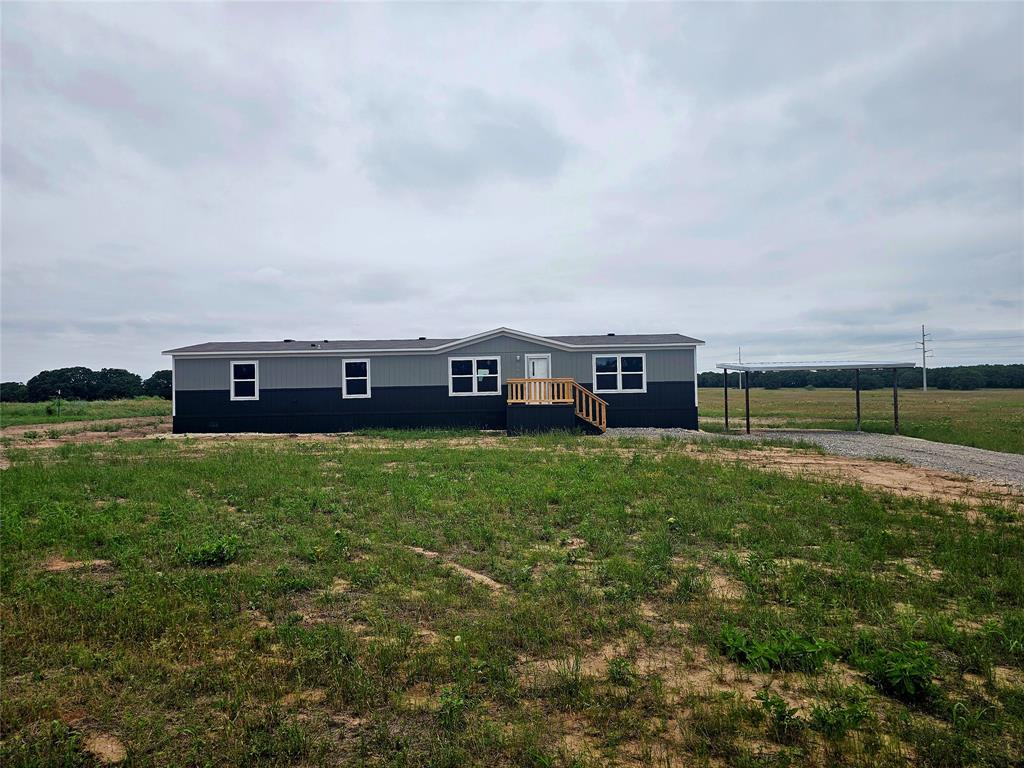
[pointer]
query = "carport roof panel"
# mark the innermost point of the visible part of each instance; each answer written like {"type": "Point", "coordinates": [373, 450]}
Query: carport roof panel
{"type": "Point", "coordinates": [819, 365]}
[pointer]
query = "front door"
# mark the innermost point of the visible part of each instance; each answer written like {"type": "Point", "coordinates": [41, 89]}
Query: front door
{"type": "Point", "coordinates": [538, 367]}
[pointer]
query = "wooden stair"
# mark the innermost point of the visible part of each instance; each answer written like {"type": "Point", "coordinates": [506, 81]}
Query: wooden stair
{"type": "Point", "coordinates": [588, 406]}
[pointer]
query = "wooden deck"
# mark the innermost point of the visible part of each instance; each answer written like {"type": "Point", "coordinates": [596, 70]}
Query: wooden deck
{"type": "Point", "coordinates": [588, 406]}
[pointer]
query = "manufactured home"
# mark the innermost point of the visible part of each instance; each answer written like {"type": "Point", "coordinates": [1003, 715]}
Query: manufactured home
{"type": "Point", "coordinates": [501, 379]}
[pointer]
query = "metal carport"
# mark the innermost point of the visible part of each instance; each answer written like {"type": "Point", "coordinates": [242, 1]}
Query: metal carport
{"type": "Point", "coordinates": [747, 368]}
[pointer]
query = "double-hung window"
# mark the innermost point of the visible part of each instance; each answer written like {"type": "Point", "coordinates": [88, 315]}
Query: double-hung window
{"type": "Point", "coordinates": [355, 380]}
{"type": "Point", "coordinates": [620, 373]}
{"type": "Point", "coordinates": [245, 380]}
{"type": "Point", "coordinates": [474, 376]}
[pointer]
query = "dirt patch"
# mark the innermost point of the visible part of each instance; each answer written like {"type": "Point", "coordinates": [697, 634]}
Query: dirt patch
{"type": "Point", "coordinates": [725, 588]}
{"type": "Point", "coordinates": [479, 578]}
{"type": "Point", "coordinates": [1008, 676]}
{"type": "Point", "coordinates": [97, 431]}
{"type": "Point", "coordinates": [921, 570]}
{"type": "Point", "coordinates": [685, 671]}
{"type": "Point", "coordinates": [313, 696]}
{"type": "Point", "coordinates": [260, 619]}
{"type": "Point", "coordinates": [898, 479]}
{"type": "Point", "coordinates": [106, 748]}
{"type": "Point", "coordinates": [420, 696]}
{"type": "Point", "coordinates": [58, 564]}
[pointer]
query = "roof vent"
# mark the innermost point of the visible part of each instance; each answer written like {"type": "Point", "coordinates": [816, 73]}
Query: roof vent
{"type": "Point", "coordinates": [288, 341]}
{"type": "Point", "coordinates": [423, 338]}
{"type": "Point", "coordinates": [611, 334]}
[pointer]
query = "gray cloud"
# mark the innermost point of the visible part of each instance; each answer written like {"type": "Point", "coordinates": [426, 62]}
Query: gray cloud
{"type": "Point", "coordinates": [800, 179]}
{"type": "Point", "coordinates": [471, 140]}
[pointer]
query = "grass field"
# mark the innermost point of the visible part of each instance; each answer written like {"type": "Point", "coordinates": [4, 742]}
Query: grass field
{"type": "Point", "coordinates": [992, 418]}
{"type": "Point", "coordinates": [985, 418]}
{"type": "Point", "coordinates": [12, 414]}
{"type": "Point", "coordinates": [590, 603]}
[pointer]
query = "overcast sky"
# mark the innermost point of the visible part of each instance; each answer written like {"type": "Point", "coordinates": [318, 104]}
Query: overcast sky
{"type": "Point", "coordinates": [809, 181]}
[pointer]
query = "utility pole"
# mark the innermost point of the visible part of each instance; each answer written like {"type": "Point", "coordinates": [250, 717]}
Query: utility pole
{"type": "Point", "coordinates": [925, 352]}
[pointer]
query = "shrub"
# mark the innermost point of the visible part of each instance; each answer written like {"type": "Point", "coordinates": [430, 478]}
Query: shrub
{"type": "Point", "coordinates": [904, 672]}
{"type": "Point", "coordinates": [214, 552]}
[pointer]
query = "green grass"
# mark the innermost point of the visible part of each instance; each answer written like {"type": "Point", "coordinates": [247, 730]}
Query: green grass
{"type": "Point", "coordinates": [985, 418]}
{"type": "Point", "coordinates": [13, 414]}
{"type": "Point", "coordinates": [261, 608]}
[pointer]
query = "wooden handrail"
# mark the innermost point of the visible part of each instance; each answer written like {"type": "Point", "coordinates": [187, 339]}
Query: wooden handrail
{"type": "Point", "coordinates": [587, 405]}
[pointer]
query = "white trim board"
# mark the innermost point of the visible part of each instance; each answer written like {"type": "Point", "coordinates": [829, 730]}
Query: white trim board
{"type": "Point", "coordinates": [618, 373]}
{"type": "Point", "coordinates": [473, 376]}
{"type": "Point", "coordinates": [255, 379]}
{"type": "Point", "coordinates": [344, 378]}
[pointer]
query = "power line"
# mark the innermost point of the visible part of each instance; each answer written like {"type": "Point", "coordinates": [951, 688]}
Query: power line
{"type": "Point", "coordinates": [984, 338]}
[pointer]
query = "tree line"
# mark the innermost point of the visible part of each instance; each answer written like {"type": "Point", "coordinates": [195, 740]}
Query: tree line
{"type": "Point", "coordinates": [80, 383]}
{"type": "Point", "coordinates": [960, 377]}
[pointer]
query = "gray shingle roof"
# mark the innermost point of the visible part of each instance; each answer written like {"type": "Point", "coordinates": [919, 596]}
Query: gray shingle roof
{"type": "Point", "coordinates": [384, 345]}
{"type": "Point", "coordinates": [627, 338]}
{"type": "Point", "coordinates": [298, 346]}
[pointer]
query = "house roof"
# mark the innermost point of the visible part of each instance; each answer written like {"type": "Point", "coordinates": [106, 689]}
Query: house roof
{"type": "Point", "coordinates": [425, 345]}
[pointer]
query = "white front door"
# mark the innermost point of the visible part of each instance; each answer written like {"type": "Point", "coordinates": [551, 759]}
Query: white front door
{"type": "Point", "coordinates": [538, 367]}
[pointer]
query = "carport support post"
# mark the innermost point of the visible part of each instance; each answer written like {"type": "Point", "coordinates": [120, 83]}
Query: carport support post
{"type": "Point", "coordinates": [746, 394]}
{"type": "Point", "coordinates": [856, 387]}
{"type": "Point", "coordinates": [896, 401]}
{"type": "Point", "coordinates": [725, 387]}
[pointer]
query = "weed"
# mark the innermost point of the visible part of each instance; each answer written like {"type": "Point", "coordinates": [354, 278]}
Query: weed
{"type": "Point", "coordinates": [49, 743]}
{"type": "Point", "coordinates": [904, 672]}
{"type": "Point", "coordinates": [837, 719]}
{"type": "Point", "coordinates": [214, 552]}
{"type": "Point", "coordinates": [621, 672]}
{"type": "Point", "coordinates": [784, 724]}
{"type": "Point", "coordinates": [780, 649]}
{"type": "Point", "coordinates": [691, 583]}
{"type": "Point", "coordinates": [451, 713]}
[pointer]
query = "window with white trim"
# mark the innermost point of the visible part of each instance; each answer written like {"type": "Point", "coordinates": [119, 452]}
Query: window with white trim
{"type": "Point", "coordinates": [474, 376]}
{"type": "Point", "coordinates": [245, 380]}
{"type": "Point", "coordinates": [355, 378]}
{"type": "Point", "coordinates": [620, 373]}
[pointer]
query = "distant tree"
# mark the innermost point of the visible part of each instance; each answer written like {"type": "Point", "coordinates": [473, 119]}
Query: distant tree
{"type": "Point", "coordinates": [158, 385]}
{"type": "Point", "coordinates": [966, 378]}
{"type": "Point", "coordinates": [78, 383]}
{"type": "Point", "coordinates": [116, 384]}
{"type": "Point", "coordinates": [13, 392]}
{"type": "Point", "coordinates": [952, 377]}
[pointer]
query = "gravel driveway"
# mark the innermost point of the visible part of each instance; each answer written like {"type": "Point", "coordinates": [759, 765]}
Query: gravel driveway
{"type": "Point", "coordinates": [976, 463]}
